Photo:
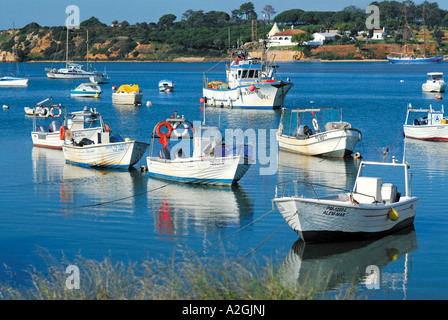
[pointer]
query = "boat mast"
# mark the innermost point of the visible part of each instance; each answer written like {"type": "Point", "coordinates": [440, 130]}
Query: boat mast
{"type": "Point", "coordinates": [87, 43]}
{"type": "Point", "coordinates": [66, 51]}
{"type": "Point", "coordinates": [14, 53]}
{"type": "Point", "coordinates": [424, 33]}
{"type": "Point", "coordinates": [405, 30]}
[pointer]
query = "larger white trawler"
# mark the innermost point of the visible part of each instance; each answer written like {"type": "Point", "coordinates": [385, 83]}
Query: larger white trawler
{"type": "Point", "coordinates": [251, 83]}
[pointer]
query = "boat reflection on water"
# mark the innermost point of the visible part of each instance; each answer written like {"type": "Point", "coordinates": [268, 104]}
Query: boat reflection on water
{"type": "Point", "coordinates": [84, 186]}
{"type": "Point", "coordinates": [347, 263]}
{"type": "Point", "coordinates": [178, 209]}
{"type": "Point", "coordinates": [338, 173]}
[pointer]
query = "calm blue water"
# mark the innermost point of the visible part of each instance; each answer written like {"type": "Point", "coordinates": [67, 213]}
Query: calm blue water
{"type": "Point", "coordinates": [46, 204]}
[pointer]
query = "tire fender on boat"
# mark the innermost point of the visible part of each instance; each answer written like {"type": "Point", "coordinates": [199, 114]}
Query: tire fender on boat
{"type": "Point", "coordinates": [62, 133]}
{"type": "Point", "coordinates": [44, 112]}
{"type": "Point", "coordinates": [315, 124]}
{"type": "Point", "coordinates": [176, 133]}
{"type": "Point", "coordinates": [164, 124]}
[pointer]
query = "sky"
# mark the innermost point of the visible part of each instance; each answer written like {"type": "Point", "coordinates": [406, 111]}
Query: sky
{"type": "Point", "coordinates": [52, 12]}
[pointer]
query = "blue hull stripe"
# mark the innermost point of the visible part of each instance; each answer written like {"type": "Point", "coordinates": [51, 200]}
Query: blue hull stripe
{"type": "Point", "coordinates": [98, 166]}
{"type": "Point", "coordinates": [191, 180]}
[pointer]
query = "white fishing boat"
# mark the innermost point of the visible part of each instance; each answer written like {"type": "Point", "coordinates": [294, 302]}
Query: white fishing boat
{"type": "Point", "coordinates": [87, 90]}
{"type": "Point", "coordinates": [372, 208]}
{"type": "Point", "coordinates": [433, 126]}
{"type": "Point", "coordinates": [434, 82]}
{"type": "Point", "coordinates": [127, 94]}
{"type": "Point", "coordinates": [251, 83]}
{"type": "Point", "coordinates": [211, 161]}
{"type": "Point", "coordinates": [103, 150]}
{"type": "Point", "coordinates": [14, 80]}
{"type": "Point", "coordinates": [79, 125]}
{"type": "Point", "coordinates": [331, 136]}
{"type": "Point", "coordinates": [166, 85]}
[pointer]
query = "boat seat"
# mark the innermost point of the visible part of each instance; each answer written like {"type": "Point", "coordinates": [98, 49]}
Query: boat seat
{"type": "Point", "coordinates": [164, 154]}
{"type": "Point", "coordinates": [389, 193]}
{"type": "Point", "coordinates": [368, 190]}
{"type": "Point", "coordinates": [337, 125]}
{"type": "Point", "coordinates": [42, 128]}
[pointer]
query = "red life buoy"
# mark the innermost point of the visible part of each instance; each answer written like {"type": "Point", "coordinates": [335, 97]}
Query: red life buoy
{"type": "Point", "coordinates": [164, 124]}
{"type": "Point", "coordinates": [106, 127]}
{"type": "Point", "coordinates": [62, 133]}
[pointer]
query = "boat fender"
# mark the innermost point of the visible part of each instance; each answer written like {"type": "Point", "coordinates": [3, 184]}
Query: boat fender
{"type": "Point", "coordinates": [357, 155]}
{"type": "Point", "coordinates": [68, 134]}
{"type": "Point", "coordinates": [315, 124]}
{"type": "Point", "coordinates": [178, 134]}
{"type": "Point", "coordinates": [393, 214]}
{"type": "Point", "coordinates": [62, 133]}
{"type": "Point", "coordinates": [164, 124]}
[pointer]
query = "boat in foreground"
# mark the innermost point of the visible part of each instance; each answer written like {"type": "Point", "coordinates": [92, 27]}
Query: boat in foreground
{"type": "Point", "coordinates": [127, 94]}
{"type": "Point", "coordinates": [79, 125]}
{"type": "Point", "coordinates": [434, 82]}
{"type": "Point", "coordinates": [87, 90]}
{"type": "Point", "coordinates": [211, 162]}
{"type": "Point", "coordinates": [433, 126]}
{"type": "Point", "coordinates": [372, 208]}
{"type": "Point", "coordinates": [251, 83]}
{"type": "Point", "coordinates": [166, 85]}
{"type": "Point", "coordinates": [103, 150]}
{"type": "Point", "coordinates": [331, 136]}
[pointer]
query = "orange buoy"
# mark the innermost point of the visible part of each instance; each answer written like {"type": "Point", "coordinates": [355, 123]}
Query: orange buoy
{"type": "Point", "coordinates": [62, 133]}
{"type": "Point", "coordinates": [164, 124]}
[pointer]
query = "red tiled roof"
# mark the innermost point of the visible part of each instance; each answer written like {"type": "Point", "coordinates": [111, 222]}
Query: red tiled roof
{"type": "Point", "coordinates": [289, 32]}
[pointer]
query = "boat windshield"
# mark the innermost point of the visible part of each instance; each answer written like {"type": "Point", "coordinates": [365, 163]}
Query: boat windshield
{"type": "Point", "coordinates": [435, 76]}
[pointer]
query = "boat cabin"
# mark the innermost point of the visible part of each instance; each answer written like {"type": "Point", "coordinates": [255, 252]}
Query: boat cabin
{"type": "Point", "coordinates": [433, 117]}
{"type": "Point", "coordinates": [435, 76]}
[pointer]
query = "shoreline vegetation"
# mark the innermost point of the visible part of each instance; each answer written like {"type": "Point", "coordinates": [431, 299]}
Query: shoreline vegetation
{"type": "Point", "coordinates": [199, 36]}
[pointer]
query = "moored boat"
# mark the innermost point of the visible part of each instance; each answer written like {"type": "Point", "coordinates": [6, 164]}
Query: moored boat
{"type": "Point", "coordinates": [80, 124]}
{"type": "Point", "coordinates": [211, 161]}
{"type": "Point", "coordinates": [127, 94]}
{"type": "Point", "coordinates": [432, 125]}
{"type": "Point", "coordinates": [166, 85]}
{"type": "Point", "coordinates": [434, 82]}
{"type": "Point", "coordinates": [372, 208]}
{"type": "Point", "coordinates": [331, 136]}
{"type": "Point", "coordinates": [251, 83]}
{"type": "Point", "coordinates": [87, 90]}
{"type": "Point", "coordinates": [103, 150]}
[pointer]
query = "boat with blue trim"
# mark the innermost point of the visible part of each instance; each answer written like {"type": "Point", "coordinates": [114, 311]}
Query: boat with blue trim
{"type": "Point", "coordinates": [87, 90]}
{"type": "Point", "coordinates": [251, 83]}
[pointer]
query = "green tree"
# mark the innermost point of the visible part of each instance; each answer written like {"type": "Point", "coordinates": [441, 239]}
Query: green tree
{"type": "Point", "coordinates": [300, 38]}
{"type": "Point", "coordinates": [166, 21]}
{"type": "Point", "coordinates": [247, 9]}
{"type": "Point", "coordinates": [269, 11]}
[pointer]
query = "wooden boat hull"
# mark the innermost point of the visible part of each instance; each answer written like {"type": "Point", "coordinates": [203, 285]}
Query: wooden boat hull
{"type": "Point", "coordinates": [438, 132]}
{"type": "Point", "coordinates": [52, 140]}
{"type": "Point", "coordinates": [120, 98]}
{"type": "Point", "coordinates": [269, 95]}
{"type": "Point", "coordinates": [334, 143]}
{"type": "Point", "coordinates": [119, 155]}
{"type": "Point", "coordinates": [215, 171]}
{"type": "Point", "coordinates": [328, 220]}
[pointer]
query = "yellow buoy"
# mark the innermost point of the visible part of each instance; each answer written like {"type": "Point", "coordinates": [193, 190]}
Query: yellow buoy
{"type": "Point", "coordinates": [393, 214]}
{"type": "Point", "coordinates": [127, 139]}
{"type": "Point", "coordinates": [96, 96]}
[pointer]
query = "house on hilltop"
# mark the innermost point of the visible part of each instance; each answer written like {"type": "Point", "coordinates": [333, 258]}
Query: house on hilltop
{"type": "Point", "coordinates": [284, 38]}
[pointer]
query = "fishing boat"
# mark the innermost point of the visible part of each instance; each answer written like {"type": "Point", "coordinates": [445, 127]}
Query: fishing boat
{"type": "Point", "coordinates": [166, 85]}
{"type": "Point", "coordinates": [409, 58]}
{"type": "Point", "coordinates": [431, 125]}
{"type": "Point", "coordinates": [434, 82]}
{"type": "Point", "coordinates": [71, 70]}
{"type": "Point", "coordinates": [14, 80]}
{"type": "Point", "coordinates": [372, 208]}
{"type": "Point", "coordinates": [102, 150]}
{"type": "Point", "coordinates": [331, 137]}
{"type": "Point", "coordinates": [88, 90]}
{"type": "Point", "coordinates": [79, 124]}
{"type": "Point", "coordinates": [127, 94]}
{"type": "Point", "coordinates": [251, 83]}
{"type": "Point", "coordinates": [211, 161]}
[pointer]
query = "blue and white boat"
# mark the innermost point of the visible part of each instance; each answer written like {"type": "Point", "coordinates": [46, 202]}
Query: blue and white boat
{"type": "Point", "coordinates": [251, 84]}
{"type": "Point", "coordinates": [407, 59]}
{"type": "Point", "coordinates": [87, 90]}
{"type": "Point", "coordinates": [13, 82]}
{"type": "Point", "coordinates": [165, 85]}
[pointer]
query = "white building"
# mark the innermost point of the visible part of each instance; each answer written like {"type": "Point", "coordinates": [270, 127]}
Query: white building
{"type": "Point", "coordinates": [379, 34]}
{"type": "Point", "coordinates": [284, 38]}
{"type": "Point", "coordinates": [319, 38]}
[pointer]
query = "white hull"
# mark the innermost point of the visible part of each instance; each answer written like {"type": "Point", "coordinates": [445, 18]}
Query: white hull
{"type": "Point", "coordinates": [433, 87]}
{"type": "Point", "coordinates": [325, 220]}
{"type": "Point", "coordinates": [268, 95]}
{"type": "Point", "coordinates": [13, 82]}
{"type": "Point", "coordinates": [127, 98]}
{"type": "Point", "coordinates": [110, 155]}
{"type": "Point", "coordinates": [437, 132]}
{"type": "Point", "coordinates": [59, 75]}
{"type": "Point", "coordinates": [52, 140]}
{"type": "Point", "coordinates": [334, 143]}
{"type": "Point", "coordinates": [214, 170]}
{"type": "Point", "coordinates": [99, 79]}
